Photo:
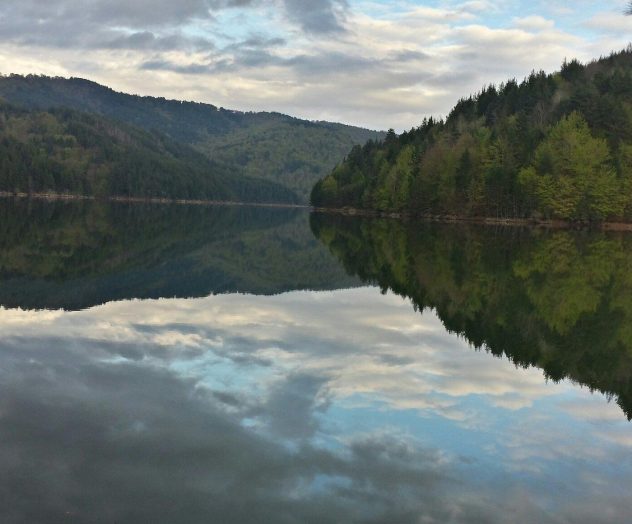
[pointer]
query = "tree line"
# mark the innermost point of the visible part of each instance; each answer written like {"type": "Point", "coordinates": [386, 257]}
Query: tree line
{"type": "Point", "coordinates": [555, 146]}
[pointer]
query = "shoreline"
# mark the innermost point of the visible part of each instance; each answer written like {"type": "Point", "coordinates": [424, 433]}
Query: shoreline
{"type": "Point", "coordinates": [480, 221]}
{"type": "Point", "coordinates": [142, 200]}
{"type": "Point", "coordinates": [345, 211]}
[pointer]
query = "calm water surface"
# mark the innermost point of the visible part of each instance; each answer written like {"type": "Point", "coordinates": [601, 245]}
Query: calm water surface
{"type": "Point", "coordinates": [237, 365]}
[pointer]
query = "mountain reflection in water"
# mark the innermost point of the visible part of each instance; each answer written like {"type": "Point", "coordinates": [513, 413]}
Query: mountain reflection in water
{"type": "Point", "coordinates": [341, 405]}
{"type": "Point", "coordinates": [558, 300]}
{"type": "Point", "coordinates": [73, 255]}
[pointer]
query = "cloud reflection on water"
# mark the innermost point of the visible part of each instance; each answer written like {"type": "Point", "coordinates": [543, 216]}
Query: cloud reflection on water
{"type": "Point", "coordinates": [342, 406]}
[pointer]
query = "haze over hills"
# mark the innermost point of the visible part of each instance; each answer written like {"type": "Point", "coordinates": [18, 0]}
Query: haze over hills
{"type": "Point", "coordinates": [270, 146]}
{"type": "Point", "coordinates": [555, 146]}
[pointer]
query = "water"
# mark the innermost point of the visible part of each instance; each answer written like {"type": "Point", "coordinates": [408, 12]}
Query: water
{"type": "Point", "coordinates": [236, 365]}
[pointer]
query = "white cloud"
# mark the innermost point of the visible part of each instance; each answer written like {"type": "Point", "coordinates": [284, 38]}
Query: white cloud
{"type": "Point", "coordinates": [534, 23]}
{"type": "Point", "coordinates": [611, 23]}
{"type": "Point", "coordinates": [377, 65]}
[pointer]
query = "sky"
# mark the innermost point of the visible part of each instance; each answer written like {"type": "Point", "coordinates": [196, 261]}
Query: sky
{"type": "Point", "coordinates": [377, 64]}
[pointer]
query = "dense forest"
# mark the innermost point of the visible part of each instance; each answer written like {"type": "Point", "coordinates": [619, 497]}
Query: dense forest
{"type": "Point", "coordinates": [77, 254]}
{"type": "Point", "coordinates": [555, 146]}
{"type": "Point", "coordinates": [64, 151]}
{"type": "Point", "coordinates": [270, 146]}
{"type": "Point", "coordinates": [558, 300]}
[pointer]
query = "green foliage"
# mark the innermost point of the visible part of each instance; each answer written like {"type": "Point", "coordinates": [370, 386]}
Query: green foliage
{"type": "Point", "coordinates": [293, 153]}
{"type": "Point", "coordinates": [574, 177]}
{"type": "Point", "coordinates": [561, 301]}
{"type": "Point", "coordinates": [63, 151]}
{"type": "Point", "coordinates": [270, 146]}
{"type": "Point", "coordinates": [553, 146]}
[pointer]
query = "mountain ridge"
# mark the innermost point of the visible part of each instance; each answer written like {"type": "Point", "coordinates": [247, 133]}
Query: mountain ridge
{"type": "Point", "coordinates": [67, 152]}
{"type": "Point", "coordinates": [268, 145]}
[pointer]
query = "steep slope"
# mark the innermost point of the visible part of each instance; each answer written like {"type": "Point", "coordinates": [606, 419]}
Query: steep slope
{"type": "Point", "coordinates": [65, 151]}
{"type": "Point", "coordinates": [271, 146]}
{"type": "Point", "coordinates": [294, 153]}
{"type": "Point", "coordinates": [554, 146]}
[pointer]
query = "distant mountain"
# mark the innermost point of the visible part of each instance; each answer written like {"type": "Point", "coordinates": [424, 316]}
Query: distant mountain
{"type": "Point", "coordinates": [270, 146]}
{"type": "Point", "coordinates": [65, 151]}
{"type": "Point", "coordinates": [555, 146]}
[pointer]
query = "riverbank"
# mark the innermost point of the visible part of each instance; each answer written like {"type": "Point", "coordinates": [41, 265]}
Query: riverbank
{"type": "Point", "coordinates": [347, 211]}
{"type": "Point", "coordinates": [141, 200]}
{"type": "Point", "coordinates": [483, 221]}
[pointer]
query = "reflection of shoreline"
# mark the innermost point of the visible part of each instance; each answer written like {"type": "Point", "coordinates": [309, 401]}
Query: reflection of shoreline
{"type": "Point", "coordinates": [148, 200]}
{"type": "Point", "coordinates": [555, 299]}
{"type": "Point", "coordinates": [74, 253]}
{"type": "Point", "coordinates": [482, 221]}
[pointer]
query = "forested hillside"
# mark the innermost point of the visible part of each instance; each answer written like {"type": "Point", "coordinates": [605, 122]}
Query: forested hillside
{"type": "Point", "coordinates": [271, 146]}
{"type": "Point", "coordinates": [555, 146]}
{"type": "Point", "coordinates": [64, 151]}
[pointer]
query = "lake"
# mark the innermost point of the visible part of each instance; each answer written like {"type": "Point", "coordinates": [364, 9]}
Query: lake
{"type": "Point", "coordinates": [243, 364]}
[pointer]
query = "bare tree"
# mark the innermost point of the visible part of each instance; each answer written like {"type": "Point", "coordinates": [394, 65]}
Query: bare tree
{"type": "Point", "coordinates": [628, 10]}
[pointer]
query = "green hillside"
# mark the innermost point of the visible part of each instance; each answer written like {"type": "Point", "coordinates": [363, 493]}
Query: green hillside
{"type": "Point", "coordinates": [65, 151]}
{"type": "Point", "coordinates": [555, 146]}
{"type": "Point", "coordinates": [270, 146]}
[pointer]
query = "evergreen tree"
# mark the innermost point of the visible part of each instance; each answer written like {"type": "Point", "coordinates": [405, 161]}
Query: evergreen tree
{"type": "Point", "coordinates": [553, 146]}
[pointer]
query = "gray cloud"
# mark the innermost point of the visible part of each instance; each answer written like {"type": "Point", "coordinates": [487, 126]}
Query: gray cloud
{"type": "Point", "coordinates": [102, 25]}
{"type": "Point", "coordinates": [160, 64]}
{"type": "Point", "coordinates": [291, 405]}
{"type": "Point", "coordinates": [123, 13]}
{"type": "Point", "coordinates": [156, 25]}
{"type": "Point", "coordinates": [409, 55]}
{"type": "Point", "coordinates": [146, 40]}
{"type": "Point", "coordinates": [148, 13]}
{"type": "Point", "coordinates": [143, 24]}
{"type": "Point", "coordinates": [317, 16]}
{"type": "Point", "coordinates": [240, 57]}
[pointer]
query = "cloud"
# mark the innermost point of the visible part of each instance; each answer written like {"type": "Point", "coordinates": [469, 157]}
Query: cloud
{"type": "Point", "coordinates": [146, 40]}
{"type": "Point", "coordinates": [72, 24]}
{"type": "Point", "coordinates": [158, 25]}
{"type": "Point", "coordinates": [612, 23]}
{"type": "Point", "coordinates": [291, 405]}
{"type": "Point", "coordinates": [317, 16]}
{"type": "Point", "coordinates": [536, 23]}
{"type": "Point", "coordinates": [379, 65]}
